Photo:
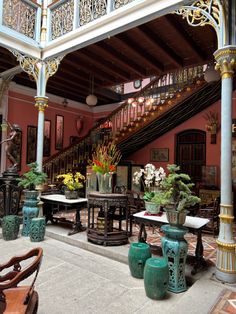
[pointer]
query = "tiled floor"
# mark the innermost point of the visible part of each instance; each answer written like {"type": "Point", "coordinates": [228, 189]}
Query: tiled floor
{"type": "Point", "coordinates": [226, 303]}
{"type": "Point", "coordinates": [209, 242]}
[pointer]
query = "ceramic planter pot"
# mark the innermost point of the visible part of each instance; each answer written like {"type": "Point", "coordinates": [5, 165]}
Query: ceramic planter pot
{"type": "Point", "coordinates": [152, 208]}
{"type": "Point", "coordinates": [71, 195]}
{"type": "Point", "coordinates": [176, 218]}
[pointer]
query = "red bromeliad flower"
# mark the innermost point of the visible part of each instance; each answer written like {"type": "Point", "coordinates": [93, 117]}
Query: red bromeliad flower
{"type": "Point", "coordinates": [105, 158]}
{"type": "Point", "coordinates": [112, 168]}
{"type": "Point", "coordinates": [98, 163]}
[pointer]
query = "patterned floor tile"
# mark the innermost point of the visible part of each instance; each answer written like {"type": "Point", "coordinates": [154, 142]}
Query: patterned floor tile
{"type": "Point", "coordinates": [154, 237]}
{"type": "Point", "coordinates": [226, 303]}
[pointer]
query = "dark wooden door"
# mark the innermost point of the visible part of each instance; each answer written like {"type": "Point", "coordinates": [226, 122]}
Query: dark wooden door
{"type": "Point", "coordinates": [191, 153]}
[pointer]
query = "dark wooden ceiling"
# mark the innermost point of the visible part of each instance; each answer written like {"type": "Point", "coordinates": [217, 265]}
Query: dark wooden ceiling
{"type": "Point", "coordinates": [167, 43]}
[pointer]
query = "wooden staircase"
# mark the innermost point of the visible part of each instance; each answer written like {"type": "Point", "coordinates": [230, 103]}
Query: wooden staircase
{"type": "Point", "coordinates": [155, 110]}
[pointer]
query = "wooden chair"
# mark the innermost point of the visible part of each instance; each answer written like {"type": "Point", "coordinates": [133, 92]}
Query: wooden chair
{"type": "Point", "coordinates": [20, 299]}
{"type": "Point", "coordinates": [211, 213]}
{"type": "Point", "coordinates": [135, 205]}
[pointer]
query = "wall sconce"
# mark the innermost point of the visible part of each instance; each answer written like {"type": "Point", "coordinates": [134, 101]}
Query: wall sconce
{"type": "Point", "coordinates": [212, 125]}
{"type": "Point", "coordinates": [65, 103]}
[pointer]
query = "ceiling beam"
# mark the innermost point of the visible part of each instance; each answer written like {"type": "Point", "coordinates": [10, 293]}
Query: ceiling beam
{"type": "Point", "coordinates": [106, 78]}
{"type": "Point", "coordinates": [135, 49]}
{"type": "Point", "coordinates": [105, 65]}
{"type": "Point", "coordinates": [107, 50]}
{"type": "Point", "coordinates": [182, 33]}
{"type": "Point", "coordinates": [158, 43]}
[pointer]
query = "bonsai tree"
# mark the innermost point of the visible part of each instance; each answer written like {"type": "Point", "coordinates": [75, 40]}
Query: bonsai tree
{"type": "Point", "coordinates": [32, 178]}
{"type": "Point", "coordinates": [176, 190]}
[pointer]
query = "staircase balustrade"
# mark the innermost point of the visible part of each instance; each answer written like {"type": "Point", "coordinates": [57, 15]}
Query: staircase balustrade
{"type": "Point", "coordinates": [160, 95]}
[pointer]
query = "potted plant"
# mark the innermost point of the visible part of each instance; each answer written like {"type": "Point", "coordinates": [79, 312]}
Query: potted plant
{"type": "Point", "coordinates": [32, 178]}
{"type": "Point", "coordinates": [29, 181]}
{"type": "Point", "coordinates": [151, 178]}
{"type": "Point", "coordinates": [73, 182]}
{"type": "Point", "coordinates": [104, 161]}
{"type": "Point", "coordinates": [176, 195]}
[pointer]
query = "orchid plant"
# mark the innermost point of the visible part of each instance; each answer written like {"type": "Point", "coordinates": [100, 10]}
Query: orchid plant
{"type": "Point", "coordinates": [151, 178]}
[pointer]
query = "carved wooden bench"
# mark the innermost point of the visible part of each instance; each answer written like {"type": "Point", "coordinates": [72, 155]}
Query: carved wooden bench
{"type": "Point", "coordinates": [20, 299]}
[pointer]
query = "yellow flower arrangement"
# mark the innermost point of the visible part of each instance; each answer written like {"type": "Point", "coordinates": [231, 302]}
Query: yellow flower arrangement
{"type": "Point", "coordinates": [105, 158]}
{"type": "Point", "coordinates": [73, 181]}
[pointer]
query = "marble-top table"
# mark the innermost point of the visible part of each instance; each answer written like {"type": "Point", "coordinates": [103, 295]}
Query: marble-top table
{"type": "Point", "coordinates": [52, 200]}
{"type": "Point", "coordinates": [194, 224]}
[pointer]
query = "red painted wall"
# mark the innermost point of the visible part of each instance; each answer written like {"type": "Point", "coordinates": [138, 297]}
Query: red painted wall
{"type": "Point", "coordinates": [168, 140]}
{"type": "Point", "coordinates": [21, 110]}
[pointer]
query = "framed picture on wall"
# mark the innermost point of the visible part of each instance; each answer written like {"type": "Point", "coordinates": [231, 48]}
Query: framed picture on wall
{"type": "Point", "coordinates": [47, 138]}
{"type": "Point", "coordinates": [31, 144]}
{"type": "Point", "coordinates": [159, 154]}
{"type": "Point", "coordinates": [59, 132]}
{"type": "Point", "coordinates": [16, 148]}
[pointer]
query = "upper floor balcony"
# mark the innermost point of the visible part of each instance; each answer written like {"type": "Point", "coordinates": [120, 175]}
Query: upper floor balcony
{"type": "Point", "coordinates": [48, 28]}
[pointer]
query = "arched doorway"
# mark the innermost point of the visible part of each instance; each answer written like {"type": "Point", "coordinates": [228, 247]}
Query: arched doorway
{"type": "Point", "coordinates": [191, 153]}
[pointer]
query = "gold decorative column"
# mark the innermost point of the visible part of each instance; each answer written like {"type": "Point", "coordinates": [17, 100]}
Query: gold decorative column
{"type": "Point", "coordinates": [226, 255]}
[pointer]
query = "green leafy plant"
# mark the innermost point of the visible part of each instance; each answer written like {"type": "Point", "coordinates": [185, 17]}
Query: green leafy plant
{"type": "Point", "coordinates": [176, 190]}
{"type": "Point", "coordinates": [32, 178]}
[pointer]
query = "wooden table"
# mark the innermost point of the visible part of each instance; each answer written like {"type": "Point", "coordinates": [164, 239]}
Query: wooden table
{"type": "Point", "coordinates": [108, 204]}
{"type": "Point", "coordinates": [53, 200]}
{"type": "Point", "coordinates": [194, 224]}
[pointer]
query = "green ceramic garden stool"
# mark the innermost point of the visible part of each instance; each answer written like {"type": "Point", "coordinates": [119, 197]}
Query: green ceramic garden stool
{"type": "Point", "coordinates": [10, 227]}
{"type": "Point", "coordinates": [37, 229]}
{"type": "Point", "coordinates": [175, 248]}
{"type": "Point", "coordinates": [30, 210]}
{"type": "Point", "coordinates": [156, 277]}
{"type": "Point", "coordinates": [138, 254]}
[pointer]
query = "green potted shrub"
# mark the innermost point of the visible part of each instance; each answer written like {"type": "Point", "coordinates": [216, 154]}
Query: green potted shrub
{"type": "Point", "coordinates": [29, 181]}
{"type": "Point", "coordinates": [176, 195]}
{"type": "Point", "coordinates": [32, 178]}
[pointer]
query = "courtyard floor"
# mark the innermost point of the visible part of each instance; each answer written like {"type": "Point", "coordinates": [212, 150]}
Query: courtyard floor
{"type": "Point", "coordinates": [80, 277]}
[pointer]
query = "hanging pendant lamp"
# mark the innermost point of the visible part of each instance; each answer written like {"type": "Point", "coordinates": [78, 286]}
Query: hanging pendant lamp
{"type": "Point", "coordinates": [91, 100]}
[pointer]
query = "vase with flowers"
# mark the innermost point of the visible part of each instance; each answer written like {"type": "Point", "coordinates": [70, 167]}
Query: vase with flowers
{"type": "Point", "coordinates": [73, 182]}
{"type": "Point", "coordinates": [151, 179]}
{"type": "Point", "coordinates": [104, 161]}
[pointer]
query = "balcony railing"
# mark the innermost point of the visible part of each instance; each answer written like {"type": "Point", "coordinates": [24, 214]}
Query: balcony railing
{"type": "Point", "coordinates": [22, 16]}
{"type": "Point", "coordinates": [66, 16]}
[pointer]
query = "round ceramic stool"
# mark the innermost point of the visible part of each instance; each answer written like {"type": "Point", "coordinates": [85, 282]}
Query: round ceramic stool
{"type": "Point", "coordinates": [10, 227]}
{"type": "Point", "coordinates": [138, 254]}
{"type": "Point", "coordinates": [156, 277]}
{"type": "Point", "coordinates": [37, 229]}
